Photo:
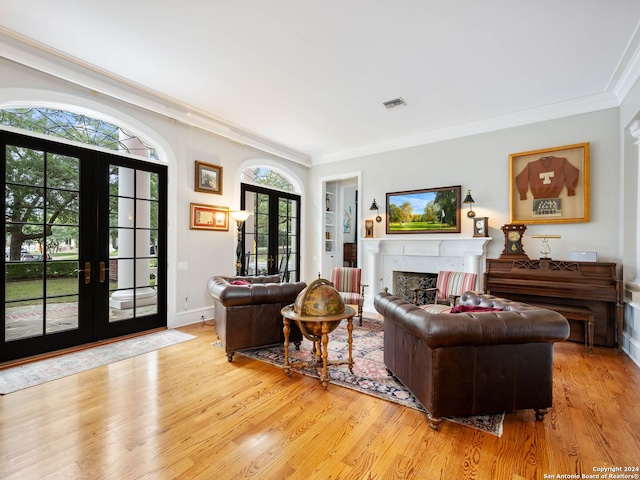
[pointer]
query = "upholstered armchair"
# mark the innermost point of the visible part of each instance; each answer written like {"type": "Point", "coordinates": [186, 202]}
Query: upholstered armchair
{"type": "Point", "coordinates": [449, 287]}
{"type": "Point", "coordinates": [348, 282]}
{"type": "Point", "coordinates": [247, 311]}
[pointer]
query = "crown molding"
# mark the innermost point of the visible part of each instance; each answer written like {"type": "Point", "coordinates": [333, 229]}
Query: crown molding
{"type": "Point", "coordinates": [627, 71]}
{"type": "Point", "coordinates": [634, 129]}
{"type": "Point", "coordinates": [628, 78]}
{"type": "Point", "coordinates": [625, 76]}
{"type": "Point", "coordinates": [525, 117]}
{"type": "Point", "coordinates": [34, 55]}
{"type": "Point", "coordinates": [44, 59]}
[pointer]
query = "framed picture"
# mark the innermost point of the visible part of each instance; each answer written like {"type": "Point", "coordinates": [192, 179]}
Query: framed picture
{"type": "Point", "coordinates": [208, 217]}
{"type": "Point", "coordinates": [432, 210]}
{"type": "Point", "coordinates": [550, 185]}
{"type": "Point", "coordinates": [208, 178]}
{"type": "Point", "coordinates": [480, 226]}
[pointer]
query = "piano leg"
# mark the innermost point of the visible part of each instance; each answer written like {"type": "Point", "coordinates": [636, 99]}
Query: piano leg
{"type": "Point", "coordinates": [540, 413]}
{"type": "Point", "coordinates": [620, 313]}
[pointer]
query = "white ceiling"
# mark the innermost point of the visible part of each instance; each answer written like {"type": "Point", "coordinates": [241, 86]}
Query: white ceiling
{"type": "Point", "coordinates": [312, 76]}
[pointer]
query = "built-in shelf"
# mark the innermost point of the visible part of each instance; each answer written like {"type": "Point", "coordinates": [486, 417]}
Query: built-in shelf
{"type": "Point", "coordinates": [330, 222]}
{"type": "Point", "coordinates": [330, 227]}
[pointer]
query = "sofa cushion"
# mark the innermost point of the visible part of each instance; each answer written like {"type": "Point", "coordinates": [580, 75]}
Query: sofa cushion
{"type": "Point", "coordinates": [436, 308]}
{"type": "Point", "coordinates": [351, 298]}
{"type": "Point", "coordinates": [517, 323]}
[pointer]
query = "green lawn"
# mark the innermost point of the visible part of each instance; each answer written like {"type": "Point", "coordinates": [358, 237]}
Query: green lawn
{"type": "Point", "coordinates": [32, 289]}
{"type": "Point", "coordinates": [29, 292]}
{"type": "Point", "coordinates": [65, 256]}
{"type": "Point", "coordinates": [409, 226]}
{"type": "Point", "coordinates": [22, 289]}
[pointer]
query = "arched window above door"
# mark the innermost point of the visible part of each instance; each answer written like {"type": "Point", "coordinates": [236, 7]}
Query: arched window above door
{"type": "Point", "coordinates": [76, 127]}
{"type": "Point", "coordinates": [269, 177]}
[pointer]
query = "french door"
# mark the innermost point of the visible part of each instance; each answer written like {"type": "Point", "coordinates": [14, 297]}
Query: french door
{"type": "Point", "coordinates": [85, 246]}
{"type": "Point", "coordinates": [271, 236]}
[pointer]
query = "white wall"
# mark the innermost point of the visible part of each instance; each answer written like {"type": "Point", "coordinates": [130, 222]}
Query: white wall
{"type": "Point", "coordinates": [630, 112]}
{"type": "Point", "coordinates": [481, 163]}
{"type": "Point", "coordinates": [201, 253]}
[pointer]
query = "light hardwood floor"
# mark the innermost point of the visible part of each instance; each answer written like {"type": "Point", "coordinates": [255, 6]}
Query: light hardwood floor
{"type": "Point", "coordinates": [185, 412]}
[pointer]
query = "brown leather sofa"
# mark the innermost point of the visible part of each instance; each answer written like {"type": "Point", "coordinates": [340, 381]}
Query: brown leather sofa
{"type": "Point", "coordinates": [472, 363]}
{"type": "Point", "coordinates": [247, 311]}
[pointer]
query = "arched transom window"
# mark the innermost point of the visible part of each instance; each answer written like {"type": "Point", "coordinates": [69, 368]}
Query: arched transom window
{"type": "Point", "coordinates": [76, 127]}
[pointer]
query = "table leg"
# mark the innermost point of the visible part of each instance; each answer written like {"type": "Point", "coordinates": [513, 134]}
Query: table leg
{"type": "Point", "coordinates": [325, 354]}
{"type": "Point", "coordinates": [350, 341]}
{"type": "Point", "coordinates": [286, 329]}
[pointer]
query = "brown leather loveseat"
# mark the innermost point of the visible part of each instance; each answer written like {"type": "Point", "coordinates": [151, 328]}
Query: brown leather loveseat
{"type": "Point", "coordinates": [476, 362]}
{"type": "Point", "coordinates": [247, 311]}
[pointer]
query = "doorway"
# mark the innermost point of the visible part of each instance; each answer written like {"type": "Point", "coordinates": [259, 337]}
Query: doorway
{"type": "Point", "coordinates": [85, 239]}
{"type": "Point", "coordinates": [271, 236]}
{"type": "Point", "coordinates": [341, 220]}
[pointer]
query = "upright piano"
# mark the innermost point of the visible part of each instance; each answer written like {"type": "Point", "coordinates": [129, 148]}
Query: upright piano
{"type": "Point", "coordinates": [591, 287]}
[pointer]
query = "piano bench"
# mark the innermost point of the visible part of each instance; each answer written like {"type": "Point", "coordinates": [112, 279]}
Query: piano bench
{"type": "Point", "coordinates": [580, 314]}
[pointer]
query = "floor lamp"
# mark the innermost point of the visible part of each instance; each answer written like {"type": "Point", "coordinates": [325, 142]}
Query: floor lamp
{"type": "Point", "coordinates": [240, 216]}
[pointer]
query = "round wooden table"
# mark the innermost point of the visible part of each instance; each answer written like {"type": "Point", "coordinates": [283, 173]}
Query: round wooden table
{"type": "Point", "coordinates": [328, 324]}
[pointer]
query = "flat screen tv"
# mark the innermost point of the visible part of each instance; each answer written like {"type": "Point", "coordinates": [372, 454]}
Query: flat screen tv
{"type": "Point", "coordinates": [430, 210]}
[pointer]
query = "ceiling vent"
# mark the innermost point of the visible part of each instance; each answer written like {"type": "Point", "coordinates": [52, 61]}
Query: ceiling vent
{"type": "Point", "coordinates": [396, 102]}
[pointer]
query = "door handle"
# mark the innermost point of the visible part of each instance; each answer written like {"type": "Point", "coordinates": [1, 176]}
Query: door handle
{"type": "Point", "coordinates": [102, 272]}
{"type": "Point", "coordinates": [87, 272]}
{"type": "Point", "coordinates": [270, 261]}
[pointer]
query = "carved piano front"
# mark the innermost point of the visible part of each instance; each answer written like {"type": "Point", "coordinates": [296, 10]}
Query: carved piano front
{"type": "Point", "coordinates": [591, 287]}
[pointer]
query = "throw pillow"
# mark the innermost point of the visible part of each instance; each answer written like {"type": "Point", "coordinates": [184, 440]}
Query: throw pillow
{"type": "Point", "coordinates": [473, 308]}
{"type": "Point", "coordinates": [240, 282]}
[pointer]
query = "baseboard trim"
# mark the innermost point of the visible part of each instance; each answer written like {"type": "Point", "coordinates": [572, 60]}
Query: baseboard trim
{"type": "Point", "coordinates": [631, 347]}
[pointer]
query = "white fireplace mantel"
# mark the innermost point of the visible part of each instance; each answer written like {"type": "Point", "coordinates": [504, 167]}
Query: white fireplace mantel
{"type": "Point", "coordinates": [383, 256]}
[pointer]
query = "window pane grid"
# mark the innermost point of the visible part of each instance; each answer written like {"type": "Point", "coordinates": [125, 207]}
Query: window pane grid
{"type": "Point", "coordinates": [42, 205]}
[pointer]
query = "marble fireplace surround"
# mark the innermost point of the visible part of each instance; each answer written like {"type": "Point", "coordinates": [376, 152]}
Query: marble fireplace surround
{"type": "Point", "coordinates": [383, 256]}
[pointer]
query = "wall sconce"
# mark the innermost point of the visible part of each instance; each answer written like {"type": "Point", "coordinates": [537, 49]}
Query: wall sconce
{"type": "Point", "coordinates": [470, 201]}
{"type": "Point", "coordinates": [374, 206]}
{"type": "Point", "coordinates": [240, 216]}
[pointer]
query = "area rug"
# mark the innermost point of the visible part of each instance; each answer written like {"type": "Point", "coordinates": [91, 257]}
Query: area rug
{"type": "Point", "coordinates": [369, 373]}
{"type": "Point", "coordinates": [36, 373]}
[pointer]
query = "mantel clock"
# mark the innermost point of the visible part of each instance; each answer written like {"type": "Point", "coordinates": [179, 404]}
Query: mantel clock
{"type": "Point", "coordinates": [513, 248]}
